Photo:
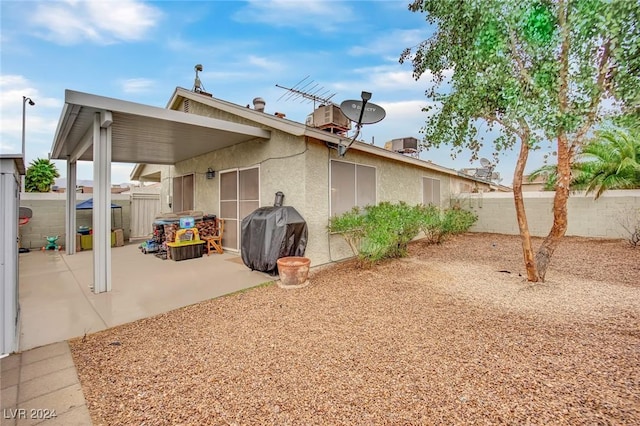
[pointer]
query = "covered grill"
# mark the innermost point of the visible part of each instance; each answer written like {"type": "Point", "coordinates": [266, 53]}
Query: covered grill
{"type": "Point", "coordinates": [270, 233]}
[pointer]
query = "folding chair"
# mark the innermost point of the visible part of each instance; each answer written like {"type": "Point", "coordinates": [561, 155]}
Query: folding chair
{"type": "Point", "coordinates": [215, 242]}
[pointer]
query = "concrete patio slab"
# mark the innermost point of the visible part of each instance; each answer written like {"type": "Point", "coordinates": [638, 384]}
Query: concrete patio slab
{"type": "Point", "coordinates": [57, 304]}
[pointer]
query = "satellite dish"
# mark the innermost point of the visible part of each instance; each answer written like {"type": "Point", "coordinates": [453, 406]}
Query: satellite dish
{"type": "Point", "coordinates": [495, 175]}
{"type": "Point", "coordinates": [372, 112]}
{"type": "Point", "coordinates": [485, 163]}
{"type": "Point", "coordinates": [484, 173]}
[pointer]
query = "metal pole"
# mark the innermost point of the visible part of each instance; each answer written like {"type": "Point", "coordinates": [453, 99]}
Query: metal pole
{"type": "Point", "coordinates": [24, 159]}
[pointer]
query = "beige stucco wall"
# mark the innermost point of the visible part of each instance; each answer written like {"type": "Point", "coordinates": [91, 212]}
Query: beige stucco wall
{"type": "Point", "coordinates": [299, 167]}
{"type": "Point", "coordinates": [396, 181]}
{"type": "Point", "coordinates": [49, 217]}
{"type": "Point", "coordinates": [586, 217]}
{"type": "Point", "coordinates": [280, 160]}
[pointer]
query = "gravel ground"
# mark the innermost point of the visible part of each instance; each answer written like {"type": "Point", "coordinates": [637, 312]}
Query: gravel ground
{"type": "Point", "coordinates": [441, 337]}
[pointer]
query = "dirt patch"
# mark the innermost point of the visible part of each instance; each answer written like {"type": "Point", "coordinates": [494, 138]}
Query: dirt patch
{"type": "Point", "coordinates": [441, 337]}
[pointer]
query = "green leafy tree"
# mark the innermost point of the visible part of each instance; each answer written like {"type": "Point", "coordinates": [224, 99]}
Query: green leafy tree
{"type": "Point", "coordinates": [611, 160]}
{"type": "Point", "coordinates": [535, 71]}
{"type": "Point", "coordinates": [41, 174]}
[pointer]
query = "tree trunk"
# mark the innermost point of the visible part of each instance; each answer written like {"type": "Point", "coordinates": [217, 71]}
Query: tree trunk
{"type": "Point", "coordinates": [527, 250]}
{"type": "Point", "coordinates": [559, 228]}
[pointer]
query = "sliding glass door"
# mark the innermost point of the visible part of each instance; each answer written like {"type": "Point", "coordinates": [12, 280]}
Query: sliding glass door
{"type": "Point", "coordinates": [239, 196]}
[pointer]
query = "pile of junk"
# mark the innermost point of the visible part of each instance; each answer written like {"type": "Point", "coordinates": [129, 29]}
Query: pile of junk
{"type": "Point", "coordinates": [169, 229]}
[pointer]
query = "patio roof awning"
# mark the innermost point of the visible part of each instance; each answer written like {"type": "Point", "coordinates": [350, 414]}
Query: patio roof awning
{"type": "Point", "coordinates": [106, 130]}
{"type": "Point", "coordinates": [143, 133]}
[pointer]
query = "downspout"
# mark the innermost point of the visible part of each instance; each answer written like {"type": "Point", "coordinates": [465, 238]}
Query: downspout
{"type": "Point", "coordinates": [329, 202]}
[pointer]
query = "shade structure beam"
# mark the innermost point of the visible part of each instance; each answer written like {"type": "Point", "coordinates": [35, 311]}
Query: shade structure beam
{"type": "Point", "coordinates": [70, 210]}
{"type": "Point", "coordinates": [101, 202]}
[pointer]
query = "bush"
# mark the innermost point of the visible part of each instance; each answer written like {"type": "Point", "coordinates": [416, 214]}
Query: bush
{"type": "Point", "coordinates": [631, 224]}
{"type": "Point", "coordinates": [385, 230]}
{"type": "Point", "coordinates": [437, 225]}
{"type": "Point", "coordinates": [378, 232]}
{"type": "Point", "coordinates": [351, 225]}
{"type": "Point", "coordinates": [390, 227]}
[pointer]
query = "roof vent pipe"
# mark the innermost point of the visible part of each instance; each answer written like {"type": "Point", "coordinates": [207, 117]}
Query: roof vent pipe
{"type": "Point", "coordinates": [258, 104]}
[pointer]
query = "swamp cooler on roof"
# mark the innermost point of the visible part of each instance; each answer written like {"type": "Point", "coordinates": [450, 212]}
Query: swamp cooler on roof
{"type": "Point", "coordinates": [270, 233]}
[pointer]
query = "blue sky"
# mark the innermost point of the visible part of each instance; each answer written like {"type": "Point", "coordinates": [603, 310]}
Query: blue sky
{"type": "Point", "coordinates": [140, 51]}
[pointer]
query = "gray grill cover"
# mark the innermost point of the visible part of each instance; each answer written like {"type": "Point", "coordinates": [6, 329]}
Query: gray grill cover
{"type": "Point", "coordinates": [270, 233]}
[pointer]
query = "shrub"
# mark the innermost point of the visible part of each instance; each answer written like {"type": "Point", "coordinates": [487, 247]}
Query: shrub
{"type": "Point", "coordinates": [437, 225]}
{"type": "Point", "coordinates": [378, 232]}
{"type": "Point", "coordinates": [631, 224]}
{"type": "Point", "coordinates": [457, 221]}
{"type": "Point", "coordinates": [351, 225]}
{"type": "Point", "coordinates": [390, 227]}
{"type": "Point", "coordinates": [385, 230]}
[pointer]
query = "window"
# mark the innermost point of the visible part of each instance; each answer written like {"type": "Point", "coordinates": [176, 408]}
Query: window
{"type": "Point", "coordinates": [431, 191]}
{"type": "Point", "coordinates": [183, 193]}
{"type": "Point", "coordinates": [351, 185]}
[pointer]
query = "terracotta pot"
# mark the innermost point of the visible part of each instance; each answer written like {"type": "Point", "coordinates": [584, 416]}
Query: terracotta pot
{"type": "Point", "coordinates": [293, 270]}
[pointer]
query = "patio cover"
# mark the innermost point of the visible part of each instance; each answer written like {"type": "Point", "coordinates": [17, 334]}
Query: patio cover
{"type": "Point", "coordinates": [104, 130]}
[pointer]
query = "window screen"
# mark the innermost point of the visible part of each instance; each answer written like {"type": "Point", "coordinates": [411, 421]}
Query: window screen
{"type": "Point", "coordinates": [365, 185]}
{"type": "Point", "coordinates": [351, 185]}
{"type": "Point", "coordinates": [430, 191]}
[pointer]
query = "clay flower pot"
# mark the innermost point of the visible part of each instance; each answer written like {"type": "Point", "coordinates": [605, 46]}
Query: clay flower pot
{"type": "Point", "coordinates": [293, 270]}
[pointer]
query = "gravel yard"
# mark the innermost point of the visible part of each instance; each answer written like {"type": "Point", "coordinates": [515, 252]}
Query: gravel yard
{"type": "Point", "coordinates": [452, 334]}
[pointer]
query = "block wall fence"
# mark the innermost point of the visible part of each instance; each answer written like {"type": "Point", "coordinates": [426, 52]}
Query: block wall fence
{"type": "Point", "coordinates": [601, 218]}
{"type": "Point", "coordinates": [49, 217]}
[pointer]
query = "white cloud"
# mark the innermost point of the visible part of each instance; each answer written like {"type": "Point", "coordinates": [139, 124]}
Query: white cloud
{"type": "Point", "coordinates": [137, 85]}
{"type": "Point", "coordinates": [403, 119]}
{"type": "Point", "coordinates": [102, 22]}
{"type": "Point", "coordinates": [390, 43]}
{"type": "Point", "coordinates": [264, 63]}
{"type": "Point", "coordinates": [314, 14]}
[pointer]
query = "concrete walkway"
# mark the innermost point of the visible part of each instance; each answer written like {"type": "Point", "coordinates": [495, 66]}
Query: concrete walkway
{"type": "Point", "coordinates": [57, 304]}
{"type": "Point", "coordinates": [41, 386]}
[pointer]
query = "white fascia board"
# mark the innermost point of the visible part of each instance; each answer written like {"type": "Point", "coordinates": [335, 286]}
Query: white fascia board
{"type": "Point", "coordinates": [282, 124]}
{"type": "Point", "coordinates": [125, 107]}
{"type": "Point", "coordinates": [65, 123]}
{"type": "Point", "coordinates": [136, 172]}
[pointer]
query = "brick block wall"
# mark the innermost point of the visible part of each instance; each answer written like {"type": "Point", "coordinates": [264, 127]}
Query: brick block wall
{"type": "Point", "coordinates": [601, 218]}
{"type": "Point", "coordinates": [49, 217]}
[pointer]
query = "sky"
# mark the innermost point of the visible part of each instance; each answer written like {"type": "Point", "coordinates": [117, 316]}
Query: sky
{"type": "Point", "coordinates": [140, 51]}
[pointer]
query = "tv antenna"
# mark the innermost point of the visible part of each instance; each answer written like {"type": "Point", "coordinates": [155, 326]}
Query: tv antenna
{"type": "Point", "coordinates": [307, 91]}
{"type": "Point", "coordinates": [198, 87]}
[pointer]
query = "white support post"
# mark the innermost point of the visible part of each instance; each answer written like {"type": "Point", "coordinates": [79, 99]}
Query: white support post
{"type": "Point", "coordinates": [101, 205]}
{"type": "Point", "coordinates": [71, 207]}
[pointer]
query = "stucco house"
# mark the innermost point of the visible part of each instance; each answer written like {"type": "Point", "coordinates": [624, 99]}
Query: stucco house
{"type": "Point", "coordinates": [302, 161]}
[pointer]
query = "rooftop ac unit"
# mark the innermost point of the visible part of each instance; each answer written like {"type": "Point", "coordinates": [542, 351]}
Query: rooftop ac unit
{"type": "Point", "coordinates": [326, 116]}
{"type": "Point", "coordinates": [405, 145]}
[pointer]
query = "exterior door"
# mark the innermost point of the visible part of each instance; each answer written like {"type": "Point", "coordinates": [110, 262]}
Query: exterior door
{"type": "Point", "coordinates": [183, 187]}
{"type": "Point", "coordinates": [239, 196]}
